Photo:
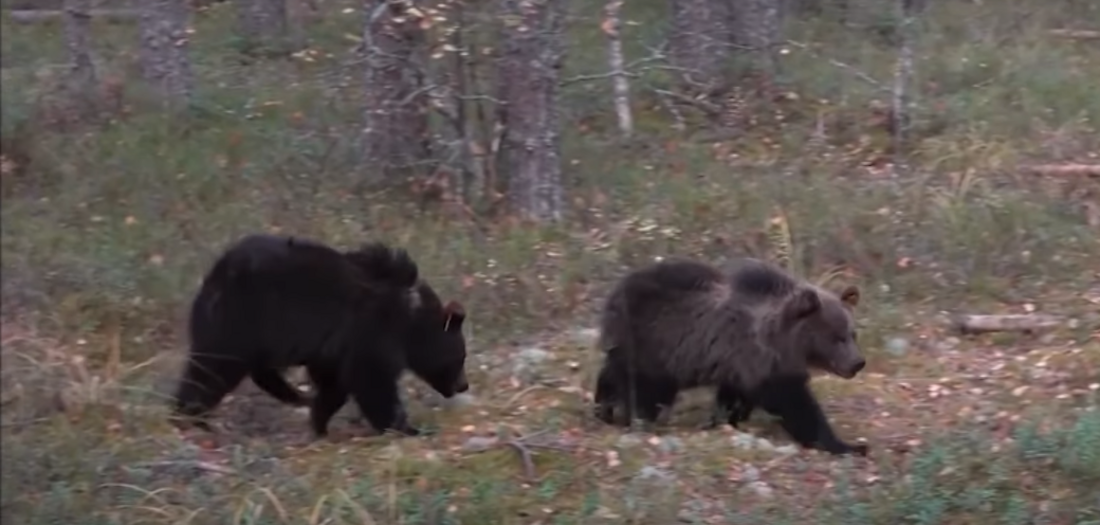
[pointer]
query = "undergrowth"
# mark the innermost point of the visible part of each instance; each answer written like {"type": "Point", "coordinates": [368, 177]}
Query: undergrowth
{"type": "Point", "coordinates": [106, 230]}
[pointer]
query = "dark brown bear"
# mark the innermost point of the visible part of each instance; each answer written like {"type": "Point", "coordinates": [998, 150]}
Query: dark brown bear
{"type": "Point", "coordinates": [753, 330]}
{"type": "Point", "coordinates": [356, 320]}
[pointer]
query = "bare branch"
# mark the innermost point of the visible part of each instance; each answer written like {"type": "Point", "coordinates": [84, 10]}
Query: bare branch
{"type": "Point", "coordinates": [626, 71]}
{"type": "Point", "coordinates": [847, 67]}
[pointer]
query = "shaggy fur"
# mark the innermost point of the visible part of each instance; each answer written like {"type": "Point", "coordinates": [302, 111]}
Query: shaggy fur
{"type": "Point", "coordinates": [355, 320]}
{"type": "Point", "coordinates": [752, 330]}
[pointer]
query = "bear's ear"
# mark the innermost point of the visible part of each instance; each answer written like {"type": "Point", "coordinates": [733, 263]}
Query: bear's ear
{"type": "Point", "coordinates": [850, 296]}
{"type": "Point", "coordinates": [803, 303]}
{"type": "Point", "coordinates": [453, 315]}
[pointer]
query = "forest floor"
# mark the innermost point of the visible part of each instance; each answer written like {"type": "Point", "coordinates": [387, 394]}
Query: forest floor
{"type": "Point", "coordinates": [108, 227]}
{"type": "Point", "coordinates": [966, 428]}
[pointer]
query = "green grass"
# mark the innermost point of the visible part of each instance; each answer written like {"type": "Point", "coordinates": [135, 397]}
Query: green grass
{"type": "Point", "coordinates": [108, 228]}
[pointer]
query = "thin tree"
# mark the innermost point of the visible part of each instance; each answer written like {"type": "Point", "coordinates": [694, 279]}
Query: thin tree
{"type": "Point", "coordinates": [164, 47]}
{"type": "Point", "coordinates": [699, 45]}
{"type": "Point", "coordinates": [262, 24]}
{"type": "Point", "coordinates": [756, 29]}
{"type": "Point", "coordinates": [396, 135]}
{"type": "Point", "coordinates": [528, 77]}
{"type": "Point", "coordinates": [620, 84]}
{"type": "Point", "coordinates": [82, 81]}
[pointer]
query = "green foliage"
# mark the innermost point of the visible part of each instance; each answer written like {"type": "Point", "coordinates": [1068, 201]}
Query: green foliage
{"type": "Point", "coordinates": [110, 227]}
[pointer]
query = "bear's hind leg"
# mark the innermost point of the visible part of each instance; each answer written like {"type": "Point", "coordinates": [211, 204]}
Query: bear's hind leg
{"type": "Point", "coordinates": [802, 417]}
{"type": "Point", "coordinates": [205, 382]}
{"type": "Point", "coordinates": [271, 380]}
{"type": "Point", "coordinates": [732, 403]}
{"type": "Point", "coordinates": [328, 399]}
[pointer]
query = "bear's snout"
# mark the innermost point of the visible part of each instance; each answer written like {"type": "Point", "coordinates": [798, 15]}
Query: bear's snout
{"type": "Point", "coordinates": [855, 368]}
{"type": "Point", "coordinates": [461, 385]}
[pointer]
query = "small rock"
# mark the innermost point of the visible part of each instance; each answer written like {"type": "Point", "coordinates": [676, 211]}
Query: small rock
{"type": "Point", "coordinates": [527, 360]}
{"type": "Point", "coordinates": [764, 444]}
{"type": "Point", "coordinates": [479, 443]}
{"type": "Point", "coordinates": [897, 346]}
{"type": "Point", "coordinates": [653, 473]}
{"type": "Point", "coordinates": [743, 440]}
{"type": "Point", "coordinates": [670, 444]}
{"type": "Point", "coordinates": [761, 489]}
{"type": "Point", "coordinates": [460, 400]}
{"type": "Point", "coordinates": [750, 474]}
{"type": "Point", "coordinates": [584, 336]}
{"type": "Point", "coordinates": [786, 450]}
{"type": "Point", "coordinates": [949, 343]}
{"type": "Point", "coordinates": [629, 440]}
{"type": "Point", "coordinates": [533, 355]}
{"type": "Point", "coordinates": [687, 516]}
{"type": "Point", "coordinates": [392, 451]}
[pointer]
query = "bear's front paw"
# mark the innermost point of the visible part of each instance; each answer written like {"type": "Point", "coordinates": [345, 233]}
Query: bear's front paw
{"type": "Point", "coordinates": [406, 430]}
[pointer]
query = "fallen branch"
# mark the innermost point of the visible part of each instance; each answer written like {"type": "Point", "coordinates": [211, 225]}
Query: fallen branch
{"type": "Point", "coordinates": [524, 458]}
{"type": "Point", "coordinates": [1066, 170]}
{"type": "Point", "coordinates": [200, 465]}
{"type": "Point", "coordinates": [23, 423]}
{"type": "Point", "coordinates": [522, 445]}
{"type": "Point", "coordinates": [35, 16]}
{"type": "Point", "coordinates": [1076, 34]}
{"type": "Point", "coordinates": [974, 324]}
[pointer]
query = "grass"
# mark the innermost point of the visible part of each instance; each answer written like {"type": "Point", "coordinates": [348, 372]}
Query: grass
{"type": "Point", "coordinates": [106, 230]}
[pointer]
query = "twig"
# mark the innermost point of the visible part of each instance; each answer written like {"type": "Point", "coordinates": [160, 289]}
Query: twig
{"type": "Point", "coordinates": [200, 465]}
{"type": "Point", "coordinates": [626, 71]}
{"type": "Point", "coordinates": [523, 445]}
{"type": "Point", "coordinates": [524, 458]}
{"type": "Point", "coordinates": [520, 394]}
{"type": "Point", "coordinates": [1091, 170]}
{"type": "Point", "coordinates": [1076, 34]}
{"type": "Point", "coordinates": [847, 67]}
{"type": "Point", "coordinates": [24, 423]}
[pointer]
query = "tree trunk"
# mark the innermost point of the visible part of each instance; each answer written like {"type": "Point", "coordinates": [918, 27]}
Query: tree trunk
{"type": "Point", "coordinates": [396, 135]}
{"type": "Point", "coordinates": [164, 44]}
{"type": "Point", "coordinates": [621, 84]}
{"type": "Point", "coordinates": [82, 82]}
{"type": "Point", "coordinates": [699, 44]}
{"type": "Point", "coordinates": [756, 29]}
{"type": "Point", "coordinates": [262, 25]}
{"type": "Point", "coordinates": [528, 76]}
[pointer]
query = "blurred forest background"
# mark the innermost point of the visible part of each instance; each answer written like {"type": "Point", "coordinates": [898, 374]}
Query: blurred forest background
{"type": "Point", "coordinates": [945, 156]}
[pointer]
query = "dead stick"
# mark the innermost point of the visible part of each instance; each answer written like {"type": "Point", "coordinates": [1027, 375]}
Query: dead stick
{"type": "Point", "coordinates": [973, 324]}
{"type": "Point", "coordinates": [31, 16]}
{"type": "Point", "coordinates": [524, 458]}
{"type": "Point", "coordinates": [201, 465]}
{"type": "Point", "coordinates": [1077, 34]}
{"type": "Point", "coordinates": [1091, 170]}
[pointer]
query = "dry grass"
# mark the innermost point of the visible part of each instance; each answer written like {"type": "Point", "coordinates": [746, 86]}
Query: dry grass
{"type": "Point", "coordinates": [106, 231]}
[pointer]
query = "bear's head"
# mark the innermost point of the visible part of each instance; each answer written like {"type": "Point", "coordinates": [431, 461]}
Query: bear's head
{"type": "Point", "coordinates": [818, 325]}
{"type": "Point", "coordinates": [437, 347]}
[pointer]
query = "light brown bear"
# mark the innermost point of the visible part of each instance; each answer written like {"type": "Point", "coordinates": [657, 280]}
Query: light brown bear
{"type": "Point", "coordinates": [752, 330]}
